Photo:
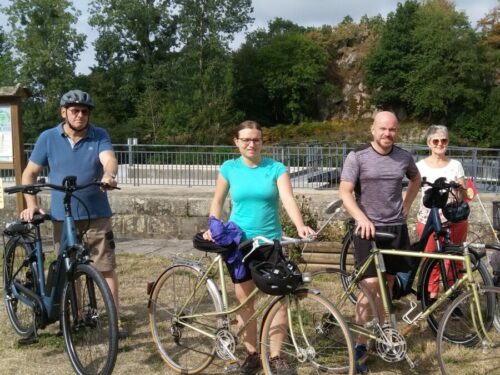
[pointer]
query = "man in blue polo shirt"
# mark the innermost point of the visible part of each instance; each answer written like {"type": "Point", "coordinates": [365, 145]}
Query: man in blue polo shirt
{"type": "Point", "coordinates": [77, 148]}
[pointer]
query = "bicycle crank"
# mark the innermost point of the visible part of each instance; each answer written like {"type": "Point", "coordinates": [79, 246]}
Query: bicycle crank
{"type": "Point", "coordinates": [391, 345]}
{"type": "Point", "coordinates": [225, 345]}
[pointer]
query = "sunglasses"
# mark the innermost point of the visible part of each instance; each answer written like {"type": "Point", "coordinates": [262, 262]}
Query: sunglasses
{"type": "Point", "coordinates": [443, 141]}
{"type": "Point", "coordinates": [75, 112]}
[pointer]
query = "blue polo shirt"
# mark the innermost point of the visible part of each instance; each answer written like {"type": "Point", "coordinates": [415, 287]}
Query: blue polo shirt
{"type": "Point", "coordinates": [54, 150]}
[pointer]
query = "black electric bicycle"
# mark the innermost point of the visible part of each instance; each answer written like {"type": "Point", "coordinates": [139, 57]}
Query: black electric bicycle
{"type": "Point", "coordinates": [74, 292]}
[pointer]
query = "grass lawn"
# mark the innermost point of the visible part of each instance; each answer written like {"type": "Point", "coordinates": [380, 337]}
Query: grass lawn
{"type": "Point", "coordinates": [137, 354]}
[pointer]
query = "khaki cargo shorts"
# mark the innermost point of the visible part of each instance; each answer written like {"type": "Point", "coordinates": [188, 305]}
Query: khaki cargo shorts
{"type": "Point", "coordinates": [99, 239]}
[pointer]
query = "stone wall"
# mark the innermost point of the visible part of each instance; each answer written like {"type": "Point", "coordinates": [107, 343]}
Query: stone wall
{"type": "Point", "coordinates": [179, 212]}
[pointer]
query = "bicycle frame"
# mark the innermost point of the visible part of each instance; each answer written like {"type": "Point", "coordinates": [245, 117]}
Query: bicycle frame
{"type": "Point", "coordinates": [49, 302]}
{"type": "Point", "coordinates": [377, 259]}
{"type": "Point", "coordinates": [217, 263]}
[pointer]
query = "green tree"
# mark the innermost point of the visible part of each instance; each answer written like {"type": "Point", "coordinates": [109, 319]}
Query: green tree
{"type": "Point", "coordinates": [388, 64]}
{"type": "Point", "coordinates": [132, 31]}
{"type": "Point", "coordinates": [292, 67]}
{"type": "Point", "coordinates": [46, 48]}
{"type": "Point", "coordinates": [7, 67]}
{"type": "Point", "coordinates": [135, 39]}
{"type": "Point", "coordinates": [203, 66]}
{"type": "Point", "coordinates": [489, 28]}
{"type": "Point", "coordinates": [280, 75]}
{"type": "Point", "coordinates": [167, 64]}
{"type": "Point", "coordinates": [447, 72]}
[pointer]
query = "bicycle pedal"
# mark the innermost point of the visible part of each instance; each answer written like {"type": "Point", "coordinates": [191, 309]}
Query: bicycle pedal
{"type": "Point", "coordinates": [232, 366]}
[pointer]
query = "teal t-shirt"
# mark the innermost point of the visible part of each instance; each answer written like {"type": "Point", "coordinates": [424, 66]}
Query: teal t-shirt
{"type": "Point", "coordinates": [255, 196]}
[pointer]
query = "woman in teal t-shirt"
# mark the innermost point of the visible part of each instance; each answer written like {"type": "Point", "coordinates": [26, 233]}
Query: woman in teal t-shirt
{"type": "Point", "coordinates": [256, 184]}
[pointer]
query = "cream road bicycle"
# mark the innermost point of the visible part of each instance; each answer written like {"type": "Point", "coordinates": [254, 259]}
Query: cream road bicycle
{"type": "Point", "coordinates": [191, 321]}
{"type": "Point", "coordinates": [468, 338]}
{"type": "Point", "coordinates": [429, 273]}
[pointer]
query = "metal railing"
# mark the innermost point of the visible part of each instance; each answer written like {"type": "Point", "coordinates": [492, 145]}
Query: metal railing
{"type": "Point", "coordinates": [311, 166]}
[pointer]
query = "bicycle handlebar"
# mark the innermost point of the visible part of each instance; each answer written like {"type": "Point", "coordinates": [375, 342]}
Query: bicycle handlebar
{"type": "Point", "coordinates": [441, 184]}
{"type": "Point", "coordinates": [68, 186]}
{"type": "Point", "coordinates": [257, 242]}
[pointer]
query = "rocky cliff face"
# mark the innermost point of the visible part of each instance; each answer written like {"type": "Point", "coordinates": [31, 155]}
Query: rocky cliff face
{"type": "Point", "coordinates": [355, 97]}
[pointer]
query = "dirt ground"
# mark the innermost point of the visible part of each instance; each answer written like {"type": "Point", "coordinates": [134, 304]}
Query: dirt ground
{"type": "Point", "coordinates": [138, 354]}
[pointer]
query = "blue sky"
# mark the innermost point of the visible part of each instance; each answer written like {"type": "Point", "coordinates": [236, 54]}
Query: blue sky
{"type": "Point", "coordinates": [302, 12]}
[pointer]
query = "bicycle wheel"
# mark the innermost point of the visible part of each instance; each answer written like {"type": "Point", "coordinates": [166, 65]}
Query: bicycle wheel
{"type": "Point", "coordinates": [17, 268]}
{"type": "Point", "coordinates": [183, 348]}
{"type": "Point", "coordinates": [429, 284]}
{"type": "Point", "coordinates": [478, 352]}
{"type": "Point", "coordinates": [314, 340]}
{"type": "Point", "coordinates": [347, 262]}
{"type": "Point", "coordinates": [89, 323]}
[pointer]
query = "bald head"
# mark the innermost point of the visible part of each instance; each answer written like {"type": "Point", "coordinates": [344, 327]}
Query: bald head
{"type": "Point", "coordinates": [385, 117]}
{"type": "Point", "coordinates": [384, 130]}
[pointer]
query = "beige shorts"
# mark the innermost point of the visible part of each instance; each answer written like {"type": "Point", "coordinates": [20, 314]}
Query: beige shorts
{"type": "Point", "coordinates": [99, 239]}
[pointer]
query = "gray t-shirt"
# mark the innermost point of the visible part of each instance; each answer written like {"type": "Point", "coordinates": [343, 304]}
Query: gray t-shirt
{"type": "Point", "coordinates": [378, 181]}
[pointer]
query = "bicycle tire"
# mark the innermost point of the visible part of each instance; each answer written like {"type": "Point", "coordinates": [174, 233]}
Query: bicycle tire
{"type": "Point", "coordinates": [183, 349]}
{"type": "Point", "coordinates": [323, 341]}
{"type": "Point", "coordinates": [91, 332]}
{"type": "Point", "coordinates": [20, 315]}
{"type": "Point", "coordinates": [481, 276]}
{"type": "Point", "coordinates": [346, 252]}
{"type": "Point", "coordinates": [476, 353]}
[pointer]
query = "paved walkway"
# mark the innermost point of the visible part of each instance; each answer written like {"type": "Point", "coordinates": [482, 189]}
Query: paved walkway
{"type": "Point", "coordinates": [153, 246]}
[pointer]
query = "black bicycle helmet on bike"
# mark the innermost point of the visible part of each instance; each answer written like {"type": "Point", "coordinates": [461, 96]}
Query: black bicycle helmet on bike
{"type": "Point", "coordinates": [276, 279]}
{"type": "Point", "coordinates": [456, 211]}
{"type": "Point", "coordinates": [76, 97]}
{"type": "Point", "coordinates": [436, 196]}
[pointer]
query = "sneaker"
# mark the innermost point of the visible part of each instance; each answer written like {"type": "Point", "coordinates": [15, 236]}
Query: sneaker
{"type": "Point", "coordinates": [280, 367]}
{"type": "Point", "coordinates": [361, 357]}
{"type": "Point", "coordinates": [30, 340]}
{"type": "Point", "coordinates": [122, 332]}
{"type": "Point", "coordinates": [250, 366]}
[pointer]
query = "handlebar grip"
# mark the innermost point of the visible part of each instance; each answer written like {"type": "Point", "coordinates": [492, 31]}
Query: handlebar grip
{"type": "Point", "coordinates": [14, 189]}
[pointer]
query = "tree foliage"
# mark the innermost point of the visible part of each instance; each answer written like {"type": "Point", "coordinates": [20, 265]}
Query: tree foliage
{"type": "Point", "coordinates": [46, 47]}
{"type": "Point", "coordinates": [446, 69]}
{"type": "Point", "coordinates": [7, 67]}
{"type": "Point", "coordinates": [281, 75]}
{"type": "Point", "coordinates": [389, 63]}
{"type": "Point", "coordinates": [165, 72]}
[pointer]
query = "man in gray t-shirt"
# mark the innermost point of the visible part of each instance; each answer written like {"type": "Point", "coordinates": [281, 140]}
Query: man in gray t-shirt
{"type": "Point", "coordinates": [374, 173]}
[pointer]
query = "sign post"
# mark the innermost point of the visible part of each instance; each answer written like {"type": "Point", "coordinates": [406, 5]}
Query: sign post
{"type": "Point", "coordinates": [11, 134]}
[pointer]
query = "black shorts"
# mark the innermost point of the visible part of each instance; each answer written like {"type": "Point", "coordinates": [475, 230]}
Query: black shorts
{"type": "Point", "coordinates": [393, 264]}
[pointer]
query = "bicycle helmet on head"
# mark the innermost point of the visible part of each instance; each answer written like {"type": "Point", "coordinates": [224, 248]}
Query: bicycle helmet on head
{"type": "Point", "coordinates": [78, 97]}
{"type": "Point", "coordinates": [276, 279]}
{"type": "Point", "coordinates": [456, 211]}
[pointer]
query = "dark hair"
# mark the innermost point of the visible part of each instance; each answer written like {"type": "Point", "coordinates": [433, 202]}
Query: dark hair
{"type": "Point", "coordinates": [248, 125]}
